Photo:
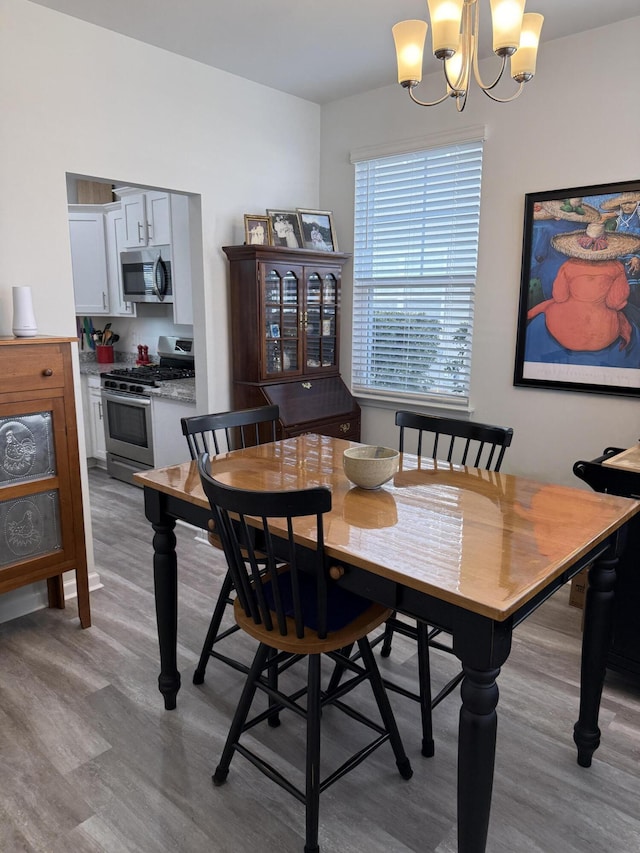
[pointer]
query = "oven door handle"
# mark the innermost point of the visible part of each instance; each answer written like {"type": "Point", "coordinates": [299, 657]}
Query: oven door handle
{"type": "Point", "coordinates": [123, 396]}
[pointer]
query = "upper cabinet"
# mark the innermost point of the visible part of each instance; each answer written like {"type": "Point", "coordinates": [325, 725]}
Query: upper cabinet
{"type": "Point", "coordinates": [89, 259]}
{"type": "Point", "coordinates": [147, 218]}
{"type": "Point", "coordinates": [114, 222]}
{"type": "Point", "coordinates": [96, 234]}
{"type": "Point", "coordinates": [298, 317]}
{"type": "Point", "coordinates": [100, 233]}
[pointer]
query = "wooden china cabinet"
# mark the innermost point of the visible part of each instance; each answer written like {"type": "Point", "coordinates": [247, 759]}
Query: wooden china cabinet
{"type": "Point", "coordinates": [285, 330]}
{"type": "Point", "coordinates": [41, 517]}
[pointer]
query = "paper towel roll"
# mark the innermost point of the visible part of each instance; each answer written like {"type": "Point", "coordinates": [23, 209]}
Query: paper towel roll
{"type": "Point", "coordinates": [24, 321]}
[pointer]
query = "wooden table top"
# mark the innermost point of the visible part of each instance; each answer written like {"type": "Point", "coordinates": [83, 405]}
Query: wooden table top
{"type": "Point", "coordinates": [484, 541]}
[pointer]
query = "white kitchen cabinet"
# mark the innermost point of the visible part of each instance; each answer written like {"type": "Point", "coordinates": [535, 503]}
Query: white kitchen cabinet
{"type": "Point", "coordinates": [158, 218]}
{"type": "Point", "coordinates": [169, 444]}
{"type": "Point", "coordinates": [147, 218]}
{"type": "Point", "coordinates": [93, 420]}
{"type": "Point", "coordinates": [181, 261]}
{"type": "Point", "coordinates": [89, 259]}
{"type": "Point", "coordinates": [115, 244]}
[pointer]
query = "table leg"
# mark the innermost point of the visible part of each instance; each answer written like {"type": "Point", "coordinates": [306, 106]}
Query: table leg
{"type": "Point", "coordinates": [165, 577]}
{"type": "Point", "coordinates": [476, 757]}
{"type": "Point", "coordinates": [598, 622]}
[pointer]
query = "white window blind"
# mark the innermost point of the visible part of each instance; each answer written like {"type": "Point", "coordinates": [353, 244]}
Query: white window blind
{"type": "Point", "coordinates": [415, 260]}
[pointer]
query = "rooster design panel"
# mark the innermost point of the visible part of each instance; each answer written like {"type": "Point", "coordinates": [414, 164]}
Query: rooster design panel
{"type": "Point", "coordinates": [29, 527]}
{"type": "Point", "coordinates": [26, 448]}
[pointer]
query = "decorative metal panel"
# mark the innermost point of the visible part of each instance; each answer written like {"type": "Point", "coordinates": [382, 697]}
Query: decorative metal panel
{"type": "Point", "coordinates": [29, 527]}
{"type": "Point", "coordinates": [27, 450]}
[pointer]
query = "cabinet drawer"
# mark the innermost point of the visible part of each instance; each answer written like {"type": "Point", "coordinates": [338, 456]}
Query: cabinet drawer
{"type": "Point", "coordinates": [347, 427]}
{"type": "Point", "coordinates": [32, 368]}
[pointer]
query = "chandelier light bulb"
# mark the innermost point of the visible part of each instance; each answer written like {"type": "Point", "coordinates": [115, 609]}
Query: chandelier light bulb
{"type": "Point", "coordinates": [506, 16]}
{"type": "Point", "coordinates": [523, 61]}
{"type": "Point", "coordinates": [409, 38]}
{"type": "Point", "coordinates": [445, 26]}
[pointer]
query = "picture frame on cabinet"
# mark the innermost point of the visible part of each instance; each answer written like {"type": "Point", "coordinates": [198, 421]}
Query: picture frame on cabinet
{"type": "Point", "coordinates": [257, 230]}
{"type": "Point", "coordinates": [579, 317]}
{"type": "Point", "coordinates": [285, 229]}
{"type": "Point", "coordinates": [318, 232]}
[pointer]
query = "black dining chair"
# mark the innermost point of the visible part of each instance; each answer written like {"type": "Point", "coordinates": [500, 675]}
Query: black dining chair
{"type": "Point", "coordinates": [470, 443]}
{"type": "Point", "coordinates": [217, 433]}
{"type": "Point", "coordinates": [288, 602]}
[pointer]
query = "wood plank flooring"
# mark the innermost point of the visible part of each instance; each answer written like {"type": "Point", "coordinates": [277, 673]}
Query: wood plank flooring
{"type": "Point", "coordinates": [90, 761]}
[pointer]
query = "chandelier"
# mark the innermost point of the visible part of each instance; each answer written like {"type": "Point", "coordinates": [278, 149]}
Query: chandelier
{"type": "Point", "coordinates": [454, 34]}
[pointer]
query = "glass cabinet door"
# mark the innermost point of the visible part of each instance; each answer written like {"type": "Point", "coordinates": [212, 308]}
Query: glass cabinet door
{"type": "Point", "coordinates": [320, 321]}
{"type": "Point", "coordinates": [282, 322]}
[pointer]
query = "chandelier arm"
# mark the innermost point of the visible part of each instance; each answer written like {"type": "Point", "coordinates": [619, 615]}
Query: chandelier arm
{"type": "Point", "coordinates": [425, 103]}
{"type": "Point", "coordinates": [505, 100]}
{"type": "Point", "coordinates": [476, 74]}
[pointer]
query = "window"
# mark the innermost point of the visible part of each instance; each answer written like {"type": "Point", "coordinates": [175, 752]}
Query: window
{"type": "Point", "coordinates": [415, 259]}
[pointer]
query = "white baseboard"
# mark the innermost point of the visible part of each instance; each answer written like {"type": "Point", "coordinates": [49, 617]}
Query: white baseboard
{"type": "Point", "coordinates": [33, 597]}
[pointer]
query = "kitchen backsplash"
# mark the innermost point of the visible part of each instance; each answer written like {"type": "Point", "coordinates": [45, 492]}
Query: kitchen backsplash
{"type": "Point", "coordinates": [133, 331]}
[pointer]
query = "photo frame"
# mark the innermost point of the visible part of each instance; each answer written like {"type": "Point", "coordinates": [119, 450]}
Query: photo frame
{"type": "Point", "coordinates": [257, 229]}
{"type": "Point", "coordinates": [318, 232]}
{"type": "Point", "coordinates": [579, 315]}
{"type": "Point", "coordinates": [285, 228]}
{"type": "Point", "coordinates": [274, 330]}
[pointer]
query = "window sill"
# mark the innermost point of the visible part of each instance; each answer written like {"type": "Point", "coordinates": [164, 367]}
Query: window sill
{"type": "Point", "coordinates": [400, 401]}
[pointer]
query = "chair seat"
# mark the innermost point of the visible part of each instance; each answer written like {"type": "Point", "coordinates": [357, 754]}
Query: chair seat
{"type": "Point", "coordinates": [349, 632]}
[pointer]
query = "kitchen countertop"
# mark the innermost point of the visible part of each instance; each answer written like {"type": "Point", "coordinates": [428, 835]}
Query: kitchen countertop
{"type": "Point", "coordinates": [175, 389]}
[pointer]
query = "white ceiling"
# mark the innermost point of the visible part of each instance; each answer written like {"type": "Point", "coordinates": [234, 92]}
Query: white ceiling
{"type": "Point", "coordinates": [320, 51]}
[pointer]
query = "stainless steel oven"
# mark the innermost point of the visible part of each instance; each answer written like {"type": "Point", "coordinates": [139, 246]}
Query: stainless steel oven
{"type": "Point", "coordinates": [128, 432]}
{"type": "Point", "coordinates": [128, 406]}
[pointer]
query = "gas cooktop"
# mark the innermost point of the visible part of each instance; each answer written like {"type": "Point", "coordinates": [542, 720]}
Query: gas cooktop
{"type": "Point", "coordinates": [150, 374]}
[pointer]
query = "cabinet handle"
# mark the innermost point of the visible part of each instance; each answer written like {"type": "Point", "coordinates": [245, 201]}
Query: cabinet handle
{"type": "Point", "coordinates": [304, 318]}
{"type": "Point", "coordinates": [99, 411]}
{"type": "Point", "coordinates": [150, 230]}
{"type": "Point", "coordinates": [104, 301]}
{"type": "Point", "coordinates": [47, 372]}
{"type": "Point", "coordinates": [336, 572]}
{"type": "Point", "coordinates": [140, 226]}
{"type": "Point", "coordinates": [345, 427]}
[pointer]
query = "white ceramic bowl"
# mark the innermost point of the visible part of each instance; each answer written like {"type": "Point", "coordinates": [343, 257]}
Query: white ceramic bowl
{"type": "Point", "coordinates": [370, 466]}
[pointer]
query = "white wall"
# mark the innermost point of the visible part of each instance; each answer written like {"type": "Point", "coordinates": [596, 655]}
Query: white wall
{"type": "Point", "coordinates": [78, 99]}
{"type": "Point", "coordinates": [576, 124]}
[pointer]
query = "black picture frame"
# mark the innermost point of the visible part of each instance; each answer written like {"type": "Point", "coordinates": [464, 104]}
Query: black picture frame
{"type": "Point", "coordinates": [579, 312]}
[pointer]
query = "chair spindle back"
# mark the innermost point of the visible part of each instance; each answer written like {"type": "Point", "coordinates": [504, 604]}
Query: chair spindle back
{"type": "Point", "coordinates": [232, 430]}
{"type": "Point", "coordinates": [459, 442]}
{"type": "Point", "coordinates": [266, 570]}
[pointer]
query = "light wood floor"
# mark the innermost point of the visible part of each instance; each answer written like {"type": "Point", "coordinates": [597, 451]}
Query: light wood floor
{"type": "Point", "coordinates": [90, 761]}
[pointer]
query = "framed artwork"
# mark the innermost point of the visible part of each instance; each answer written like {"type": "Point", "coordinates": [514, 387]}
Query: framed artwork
{"type": "Point", "coordinates": [317, 230]}
{"type": "Point", "coordinates": [257, 230]}
{"type": "Point", "coordinates": [579, 316]}
{"type": "Point", "coordinates": [285, 228]}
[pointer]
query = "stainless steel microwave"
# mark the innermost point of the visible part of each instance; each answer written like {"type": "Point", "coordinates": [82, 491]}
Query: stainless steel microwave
{"type": "Point", "coordinates": [146, 275]}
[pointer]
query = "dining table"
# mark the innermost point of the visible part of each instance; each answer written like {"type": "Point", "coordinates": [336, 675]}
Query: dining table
{"type": "Point", "coordinates": [471, 551]}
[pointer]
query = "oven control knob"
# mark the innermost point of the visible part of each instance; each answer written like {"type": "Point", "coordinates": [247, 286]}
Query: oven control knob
{"type": "Point", "coordinates": [123, 386]}
{"type": "Point", "coordinates": [138, 389]}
